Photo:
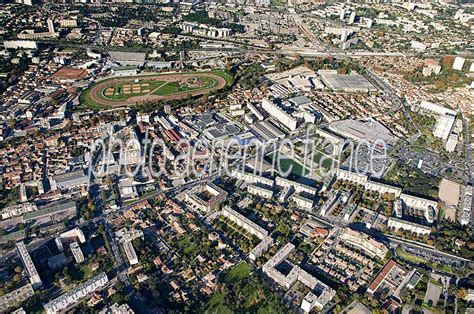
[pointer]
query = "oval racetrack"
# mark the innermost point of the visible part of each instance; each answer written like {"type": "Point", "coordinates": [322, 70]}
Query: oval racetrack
{"type": "Point", "coordinates": [97, 95]}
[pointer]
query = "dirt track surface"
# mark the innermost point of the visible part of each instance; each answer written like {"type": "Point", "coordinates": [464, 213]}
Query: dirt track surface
{"type": "Point", "coordinates": [96, 91]}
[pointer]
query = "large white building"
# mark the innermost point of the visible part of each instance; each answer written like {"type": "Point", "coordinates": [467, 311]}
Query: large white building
{"type": "Point", "coordinates": [75, 233]}
{"type": "Point", "coordinates": [261, 248]}
{"type": "Point", "coordinates": [269, 267]}
{"type": "Point", "coordinates": [279, 114]}
{"type": "Point", "coordinates": [260, 190]}
{"type": "Point", "coordinates": [458, 63]}
{"type": "Point", "coordinates": [351, 176]}
{"type": "Point", "coordinates": [50, 24]}
{"type": "Point", "coordinates": [436, 109]}
{"type": "Point", "coordinates": [125, 234]}
{"type": "Point", "coordinates": [130, 252]}
{"type": "Point", "coordinates": [298, 187]}
{"type": "Point", "coordinates": [318, 299]}
{"type": "Point", "coordinates": [382, 188]}
{"type": "Point", "coordinates": [76, 252]}
{"type": "Point", "coordinates": [368, 184]}
{"type": "Point", "coordinates": [445, 118]}
{"type": "Point", "coordinates": [68, 23]}
{"type": "Point", "coordinates": [255, 111]}
{"type": "Point", "coordinates": [397, 224]}
{"type": "Point", "coordinates": [465, 209]}
{"type": "Point", "coordinates": [252, 178]}
{"type": "Point", "coordinates": [25, 44]}
{"type": "Point", "coordinates": [244, 222]}
{"type": "Point", "coordinates": [125, 71]}
{"type": "Point", "coordinates": [206, 196]}
{"type": "Point", "coordinates": [16, 297]}
{"type": "Point", "coordinates": [371, 131]}
{"type": "Point", "coordinates": [364, 242]}
{"type": "Point", "coordinates": [320, 294]}
{"type": "Point", "coordinates": [451, 143]}
{"type": "Point", "coordinates": [29, 265]}
{"type": "Point", "coordinates": [63, 302]}
{"type": "Point", "coordinates": [416, 45]}
{"type": "Point", "coordinates": [303, 202]}
{"type": "Point", "coordinates": [428, 207]}
{"type": "Point", "coordinates": [205, 30]}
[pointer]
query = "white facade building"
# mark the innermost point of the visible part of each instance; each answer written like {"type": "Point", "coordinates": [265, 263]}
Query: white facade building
{"type": "Point", "coordinates": [77, 252]}
{"type": "Point", "coordinates": [16, 297]}
{"type": "Point", "coordinates": [451, 143]}
{"type": "Point", "coordinates": [63, 302]}
{"type": "Point", "coordinates": [255, 111]}
{"type": "Point", "coordinates": [279, 114]}
{"type": "Point", "coordinates": [298, 187]}
{"type": "Point", "coordinates": [458, 63]}
{"type": "Point", "coordinates": [397, 224]}
{"type": "Point", "coordinates": [75, 233]}
{"type": "Point", "coordinates": [124, 71]}
{"type": "Point", "coordinates": [364, 242]}
{"type": "Point", "coordinates": [205, 30]}
{"type": "Point", "coordinates": [320, 294]}
{"type": "Point", "coordinates": [25, 44]}
{"type": "Point", "coordinates": [465, 211]}
{"type": "Point", "coordinates": [261, 248]}
{"type": "Point", "coordinates": [383, 188]}
{"type": "Point", "coordinates": [260, 191]}
{"type": "Point", "coordinates": [130, 252]}
{"type": "Point", "coordinates": [351, 176]}
{"type": "Point", "coordinates": [29, 265]}
{"type": "Point", "coordinates": [416, 45]}
{"type": "Point", "coordinates": [427, 206]}
{"type": "Point", "coordinates": [244, 222]}
{"type": "Point", "coordinates": [302, 202]}
{"type": "Point", "coordinates": [252, 178]}
{"type": "Point", "coordinates": [50, 25]}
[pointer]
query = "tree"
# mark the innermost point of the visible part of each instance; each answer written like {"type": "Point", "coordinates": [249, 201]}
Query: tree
{"type": "Point", "coordinates": [11, 123]}
{"type": "Point", "coordinates": [17, 278]}
{"type": "Point", "coordinates": [461, 294]}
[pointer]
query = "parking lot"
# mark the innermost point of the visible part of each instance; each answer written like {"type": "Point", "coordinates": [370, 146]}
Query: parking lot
{"type": "Point", "coordinates": [430, 162]}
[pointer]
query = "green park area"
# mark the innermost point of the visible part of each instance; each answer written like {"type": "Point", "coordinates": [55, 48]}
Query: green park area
{"type": "Point", "coordinates": [239, 272]}
{"type": "Point", "coordinates": [287, 164]}
{"type": "Point", "coordinates": [327, 162]}
{"type": "Point", "coordinates": [413, 180]}
{"type": "Point", "coordinates": [170, 88]}
{"type": "Point", "coordinates": [187, 245]}
{"type": "Point", "coordinates": [242, 292]}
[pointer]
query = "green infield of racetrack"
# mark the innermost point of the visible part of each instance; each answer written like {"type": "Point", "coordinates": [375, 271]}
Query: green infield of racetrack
{"type": "Point", "coordinates": [151, 86]}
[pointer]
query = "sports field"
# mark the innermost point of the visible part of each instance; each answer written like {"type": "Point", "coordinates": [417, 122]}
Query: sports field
{"type": "Point", "coordinates": [140, 89]}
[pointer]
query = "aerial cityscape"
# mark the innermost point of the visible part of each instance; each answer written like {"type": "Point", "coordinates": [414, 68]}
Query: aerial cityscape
{"type": "Point", "coordinates": [236, 156]}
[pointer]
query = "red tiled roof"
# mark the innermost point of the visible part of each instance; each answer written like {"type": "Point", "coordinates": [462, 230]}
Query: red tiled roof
{"type": "Point", "coordinates": [380, 277]}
